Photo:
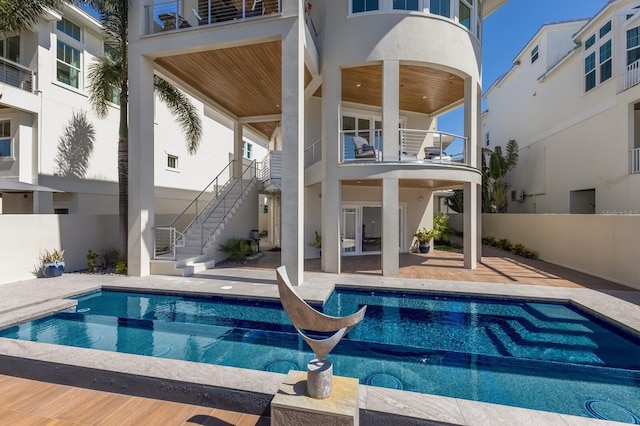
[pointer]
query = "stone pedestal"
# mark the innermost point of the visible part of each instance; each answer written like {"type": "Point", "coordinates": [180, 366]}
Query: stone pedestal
{"type": "Point", "coordinates": [293, 406]}
{"type": "Point", "coordinates": [319, 379]}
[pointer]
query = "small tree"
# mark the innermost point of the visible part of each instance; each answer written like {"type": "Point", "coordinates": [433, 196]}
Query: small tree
{"type": "Point", "coordinates": [494, 181]}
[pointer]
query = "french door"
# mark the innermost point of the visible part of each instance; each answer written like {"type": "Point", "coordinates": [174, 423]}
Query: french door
{"type": "Point", "coordinates": [361, 229]}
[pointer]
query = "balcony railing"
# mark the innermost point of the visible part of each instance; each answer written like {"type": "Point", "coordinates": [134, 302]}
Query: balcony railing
{"type": "Point", "coordinates": [179, 14]}
{"type": "Point", "coordinates": [271, 167]}
{"type": "Point", "coordinates": [16, 75]}
{"type": "Point", "coordinates": [632, 74]}
{"type": "Point", "coordinates": [416, 146]}
{"type": "Point", "coordinates": [635, 160]}
{"type": "Point", "coordinates": [313, 154]}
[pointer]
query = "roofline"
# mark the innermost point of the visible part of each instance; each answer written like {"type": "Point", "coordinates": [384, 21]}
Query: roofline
{"type": "Point", "coordinates": [581, 31]}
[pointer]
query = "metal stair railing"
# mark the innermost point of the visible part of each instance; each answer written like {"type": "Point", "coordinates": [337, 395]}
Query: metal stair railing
{"type": "Point", "coordinates": [250, 171]}
{"type": "Point", "coordinates": [167, 238]}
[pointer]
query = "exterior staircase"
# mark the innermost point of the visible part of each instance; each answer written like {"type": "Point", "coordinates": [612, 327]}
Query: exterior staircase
{"type": "Point", "coordinates": [194, 250]}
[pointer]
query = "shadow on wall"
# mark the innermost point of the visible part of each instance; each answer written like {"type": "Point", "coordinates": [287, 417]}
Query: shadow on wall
{"type": "Point", "coordinates": [75, 146]}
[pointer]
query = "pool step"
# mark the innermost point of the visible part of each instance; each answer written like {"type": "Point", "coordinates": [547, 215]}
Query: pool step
{"type": "Point", "coordinates": [12, 317]}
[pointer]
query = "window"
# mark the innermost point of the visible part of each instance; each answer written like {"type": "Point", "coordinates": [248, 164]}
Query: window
{"type": "Point", "coordinates": [487, 139]}
{"type": "Point", "coordinates": [5, 138]}
{"type": "Point", "coordinates": [172, 162]}
{"type": "Point", "coordinates": [440, 7]}
{"type": "Point", "coordinates": [633, 45]}
{"type": "Point", "coordinates": [605, 61]}
{"type": "Point", "coordinates": [606, 28]}
{"type": "Point", "coordinates": [590, 72]}
{"type": "Point", "coordinates": [247, 150]}
{"type": "Point", "coordinates": [10, 48]}
{"type": "Point", "coordinates": [68, 65]}
{"type": "Point", "coordinates": [534, 54]}
{"type": "Point", "coordinates": [358, 6]}
{"type": "Point", "coordinates": [111, 51]}
{"type": "Point", "coordinates": [590, 42]}
{"type": "Point", "coordinates": [405, 4]}
{"type": "Point", "coordinates": [69, 28]}
{"type": "Point", "coordinates": [465, 13]}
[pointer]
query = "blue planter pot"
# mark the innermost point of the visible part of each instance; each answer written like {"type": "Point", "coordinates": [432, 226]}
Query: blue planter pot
{"type": "Point", "coordinates": [53, 269]}
{"type": "Point", "coordinates": [424, 247]}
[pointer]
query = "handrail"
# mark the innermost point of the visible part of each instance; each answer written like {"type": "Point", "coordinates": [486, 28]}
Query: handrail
{"type": "Point", "coordinates": [313, 154]}
{"type": "Point", "coordinates": [173, 241]}
{"type": "Point", "coordinates": [195, 200]}
{"type": "Point", "coordinates": [17, 75]}
{"type": "Point", "coordinates": [252, 166]}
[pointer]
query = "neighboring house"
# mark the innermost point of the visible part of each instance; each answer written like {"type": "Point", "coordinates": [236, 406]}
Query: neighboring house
{"type": "Point", "coordinates": [572, 102]}
{"type": "Point", "coordinates": [57, 156]}
{"type": "Point", "coordinates": [348, 92]}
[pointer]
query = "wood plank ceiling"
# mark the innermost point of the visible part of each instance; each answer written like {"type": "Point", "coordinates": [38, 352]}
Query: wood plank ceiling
{"type": "Point", "coordinates": [247, 81]}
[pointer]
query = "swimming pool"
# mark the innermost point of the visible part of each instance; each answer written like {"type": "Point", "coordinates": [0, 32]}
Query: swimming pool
{"type": "Point", "coordinates": [544, 356]}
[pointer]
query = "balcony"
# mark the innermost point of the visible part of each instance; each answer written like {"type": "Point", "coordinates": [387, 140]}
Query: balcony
{"type": "Point", "coordinates": [416, 146]}
{"type": "Point", "coordinates": [270, 171]}
{"type": "Point", "coordinates": [632, 75]}
{"type": "Point", "coordinates": [180, 14]}
{"type": "Point", "coordinates": [635, 160]}
{"type": "Point", "coordinates": [16, 75]}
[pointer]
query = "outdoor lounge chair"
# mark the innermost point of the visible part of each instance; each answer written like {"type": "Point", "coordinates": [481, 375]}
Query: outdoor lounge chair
{"type": "Point", "coordinates": [362, 148]}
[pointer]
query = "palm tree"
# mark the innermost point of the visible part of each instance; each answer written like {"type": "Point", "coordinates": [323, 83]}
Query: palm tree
{"type": "Point", "coordinates": [109, 81]}
{"type": "Point", "coordinates": [494, 179]}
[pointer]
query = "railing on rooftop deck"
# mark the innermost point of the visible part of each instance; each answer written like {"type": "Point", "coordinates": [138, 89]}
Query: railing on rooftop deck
{"type": "Point", "coordinates": [632, 74]}
{"type": "Point", "coordinates": [416, 146]}
{"type": "Point", "coordinates": [16, 75]}
{"type": "Point", "coordinates": [635, 160]}
{"type": "Point", "coordinates": [179, 14]}
{"type": "Point", "coordinates": [313, 154]}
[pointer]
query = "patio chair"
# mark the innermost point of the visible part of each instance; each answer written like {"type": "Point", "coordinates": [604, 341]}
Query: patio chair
{"type": "Point", "coordinates": [362, 148]}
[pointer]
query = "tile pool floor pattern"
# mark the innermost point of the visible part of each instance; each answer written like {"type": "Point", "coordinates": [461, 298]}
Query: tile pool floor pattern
{"type": "Point", "coordinates": [34, 297]}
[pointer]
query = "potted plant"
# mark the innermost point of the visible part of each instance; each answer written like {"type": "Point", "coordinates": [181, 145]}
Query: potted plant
{"type": "Point", "coordinates": [52, 263]}
{"type": "Point", "coordinates": [424, 237]}
{"type": "Point", "coordinates": [317, 242]}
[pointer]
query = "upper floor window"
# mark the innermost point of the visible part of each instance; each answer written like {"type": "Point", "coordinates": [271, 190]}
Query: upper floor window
{"type": "Point", "coordinates": [590, 71]}
{"type": "Point", "coordinates": [606, 64]}
{"type": "Point", "coordinates": [406, 4]}
{"type": "Point", "coordinates": [633, 45]}
{"type": "Point", "coordinates": [534, 54]}
{"type": "Point", "coordinates": [487, 139]}
{"type": "Point", "coordinates": [247, 150]}
{"type": "Point", "coordinates": [605, 29]}
{"type": "Point", "coordinates": [590, 42]}
{"type": "Point", "coordinates": [358, 6]}
{"type": "Point", "coordinates": [440, 7]}
{"type": "Point", "coordinates": [5, 138]}
{"type": "Point", "coordinates": [464, 16]}
{"type": "Point", "coordinates": [10, 48]}
{"type": "Point", "coordinates": [69, 28]}
{"type": "Point", "coordinates": [68, 65]}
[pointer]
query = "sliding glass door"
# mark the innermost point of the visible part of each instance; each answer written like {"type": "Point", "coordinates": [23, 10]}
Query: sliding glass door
{"type": "Point", "coordinates": [361, 231]}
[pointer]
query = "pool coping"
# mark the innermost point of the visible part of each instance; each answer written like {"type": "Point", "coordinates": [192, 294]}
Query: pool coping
{"type": "Point", "coordinates": [251, 390]}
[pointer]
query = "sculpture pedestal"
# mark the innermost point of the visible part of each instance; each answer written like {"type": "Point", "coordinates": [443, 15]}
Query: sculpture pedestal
{"type": "Point", "coordinates": [319, 379]}
{"type": "Point", "coordinates": [292, 405]}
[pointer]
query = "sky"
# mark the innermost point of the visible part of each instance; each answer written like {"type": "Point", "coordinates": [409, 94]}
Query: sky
{"type": "Point", "coordinates": [508, 30]}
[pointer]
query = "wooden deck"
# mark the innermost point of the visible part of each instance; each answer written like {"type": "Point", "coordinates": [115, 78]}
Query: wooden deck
{"type": "Point", "coordinates": [28, 402]}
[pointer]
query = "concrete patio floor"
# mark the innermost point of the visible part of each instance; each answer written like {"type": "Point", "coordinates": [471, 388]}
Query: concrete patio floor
{"type": "Point", "coordinates": [499, 274]}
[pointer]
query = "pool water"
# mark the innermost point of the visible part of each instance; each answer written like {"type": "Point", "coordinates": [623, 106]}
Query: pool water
{"type": "Point", "coordinates": [544, 356]}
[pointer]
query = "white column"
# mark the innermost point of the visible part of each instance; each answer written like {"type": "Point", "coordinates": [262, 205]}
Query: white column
{"type": "Point", "coordinates": [390, 227]}
{"type": "Point", "coordinates": [470, 241]}
{"type": "Point", "coordinates": [471, 116]}
{"type": "Point", "coordinates": [390, 107]}
{"type": "Point", "coordinates": [331, 191]}
{"type": "Point", "coordinates": [42, 202]}
{"type": "Point", "coordinates": [238, 130]}
{"type": "Point", "coordinates": [25, 140]}
{"type": "Point", "coordinates": [141, 166]}
{"type": "Point", "coordinates": [292, 254]}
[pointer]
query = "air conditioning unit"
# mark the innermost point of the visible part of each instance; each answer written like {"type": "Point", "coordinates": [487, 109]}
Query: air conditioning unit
{"type": "Point", "coordinates": [517, 195]}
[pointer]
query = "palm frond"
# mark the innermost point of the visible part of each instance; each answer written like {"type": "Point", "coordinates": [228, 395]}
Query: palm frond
{"type": "Point", "coordinates": [105, 76]}
{"type": "Point", "coordinates": [186, 114]}
{"type": "Point", "coordinates": [17, 15]}
{"type": "Point", "coordinates": [512, 154]}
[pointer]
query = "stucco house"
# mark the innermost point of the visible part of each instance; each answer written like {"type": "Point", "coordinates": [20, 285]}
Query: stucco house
{"type": "Point", "coordinates": [347, 92]}
{"type": "Point", "coordinates": [572, 101]}
{"type": "Point", "coordinates": [44, 97]}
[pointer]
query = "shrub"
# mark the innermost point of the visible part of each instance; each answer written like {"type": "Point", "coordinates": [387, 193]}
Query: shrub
{"type": "Point", "coordinates": [92, 260]}
{"type": "Point", "coordinates": [121, 268]}
{"type": "Point", "coordinates": [237, 249]}
{"type": "Point", "coordinates": [488, 241]}
{"type": "Point", "coordinates": [110, 258]}
{"type": "Point", "coordinates": [504, 244]}
{"type": "Point", "coordinates": [441, 228]}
